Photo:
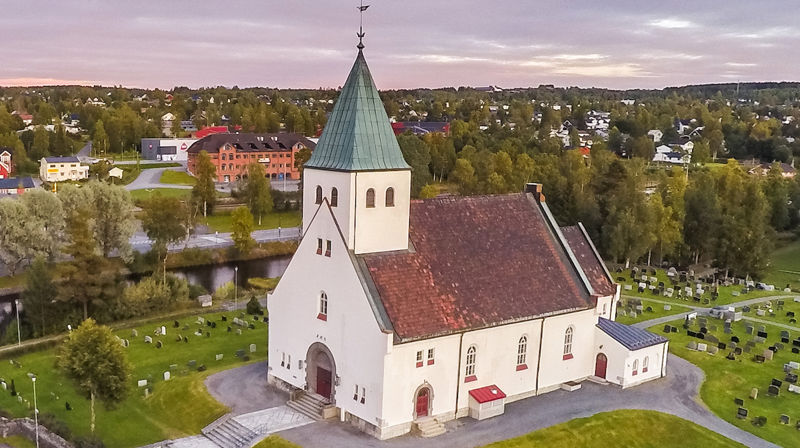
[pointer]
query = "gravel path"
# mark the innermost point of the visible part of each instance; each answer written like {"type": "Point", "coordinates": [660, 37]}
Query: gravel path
{"type": "Point", "coordinates": [244, 389]}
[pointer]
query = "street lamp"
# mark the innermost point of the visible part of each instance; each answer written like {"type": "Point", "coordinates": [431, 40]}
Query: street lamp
{"type": "Point", "coordinates": [35, 411]}
{"type": "Point", "coordinates": [235, 287]}
{"type": "Point", "coordinates": [19, 335]}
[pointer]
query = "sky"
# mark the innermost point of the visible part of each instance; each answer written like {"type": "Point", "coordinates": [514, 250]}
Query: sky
{"type": "Point", "coordinates": [409, 44]}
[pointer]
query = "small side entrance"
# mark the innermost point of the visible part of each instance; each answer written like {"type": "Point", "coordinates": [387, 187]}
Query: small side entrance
{"type": "Point", "coordinates": [324, 378]}
{"type": "Point", "coordinates": [600, 365]}
{"type": "Point", "coordinates": [423, 402]}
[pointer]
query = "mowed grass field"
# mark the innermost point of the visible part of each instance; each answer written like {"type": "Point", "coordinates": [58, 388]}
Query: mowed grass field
{"type": "Point", "coordinates": [727, 380]}
{"type": "Point", "coordinates": [175, 408]}
{"type": "Point", "coordinates": [624, 316]}
{"type": "Point", "coordinates": [222, 222]}
{"type": "Point", "coordinates": [627, 428]}
{"type": "Point", "coordinates": [785, 266]}
{"type": "Point", "coordinates": [177, 178]}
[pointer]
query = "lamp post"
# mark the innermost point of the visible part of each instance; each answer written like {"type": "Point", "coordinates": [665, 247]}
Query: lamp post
{"type": "Point", "coordinates": [35, 411]}
{"type": "Point", "coordinates": [19, 335]}
{"type": "Point", "coordinates": [235, 287]}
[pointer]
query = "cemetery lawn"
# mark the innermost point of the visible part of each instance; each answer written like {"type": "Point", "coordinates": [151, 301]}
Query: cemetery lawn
{"type": "Point", "coordinates": [222, 221]}
{"type": "Point", "coordinates": [726, 380]}
{"type": "Point", "coordinates": [145, 194]}
{"type": "Point", "coordinates": [779, 315]}
{"type": "Point", "coordinates": [177, 178]}
{"type": "Point", "coordinates": [725, 292]}
{"type": "Point", "coordinates": [175, 408]}
{"type": "Point", "coordinates": [17, 442]}
{"type": "Point", "coordinates": [658, 311]}
{"type": "Point", "coordinates": [785, 266]}
{"type": "Point", "coordinates": [628, 428]}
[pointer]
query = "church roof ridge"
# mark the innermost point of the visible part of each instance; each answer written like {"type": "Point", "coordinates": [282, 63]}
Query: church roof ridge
{"type": "Point", "coordinates": [358, 135]}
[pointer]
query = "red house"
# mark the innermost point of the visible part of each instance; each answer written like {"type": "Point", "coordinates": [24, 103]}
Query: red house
{"type": "Point", "coordinates": [5, 163]}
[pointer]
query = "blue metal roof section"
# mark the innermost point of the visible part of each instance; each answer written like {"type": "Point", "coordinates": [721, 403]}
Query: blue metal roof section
{"type": "Point", "coordinates": [631, 337]}
{"type": "Point", "coordinates": [61, 160]}
{"type": "Point", "coordinates": [14, 183]}
{"type": "Point", "coordinates": [358, 136]}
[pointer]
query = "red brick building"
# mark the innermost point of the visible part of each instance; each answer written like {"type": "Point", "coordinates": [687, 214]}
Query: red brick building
{"type": "Point", "coordinates": [231, 153]}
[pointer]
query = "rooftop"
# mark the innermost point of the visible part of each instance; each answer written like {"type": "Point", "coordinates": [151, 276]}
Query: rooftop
{"type": "Point", "coordinates": [61, 159]}
{"type": "Point", "coordinates": [631, 337]}
{"type": "Point", "coordinates": [358, 135]}
{"type": "Point", "coordinates": [589, 259]}
{"type": "Point", "coordinates": [13, 183]}
{"type": "Point", "coordinates": [476, 262]}
{"type": "Point", "coordinates": [250, 142]}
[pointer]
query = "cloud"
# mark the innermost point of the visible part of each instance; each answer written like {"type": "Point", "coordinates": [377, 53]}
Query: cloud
{"type": "Point", "coordinates": [671, 23]}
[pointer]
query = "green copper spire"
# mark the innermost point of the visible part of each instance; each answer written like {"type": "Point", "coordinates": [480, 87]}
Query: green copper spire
{"type": "Point", "coordinates": [358, 136]}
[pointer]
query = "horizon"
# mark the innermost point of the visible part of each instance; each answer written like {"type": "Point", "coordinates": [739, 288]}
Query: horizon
{"type": "Point", "coordinates": [304, 45]}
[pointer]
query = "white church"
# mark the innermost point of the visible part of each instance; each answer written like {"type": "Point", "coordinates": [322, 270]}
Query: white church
{"type": "Point", "coordinates": [397, 315]}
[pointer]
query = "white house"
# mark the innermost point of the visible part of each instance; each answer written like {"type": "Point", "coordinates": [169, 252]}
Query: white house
{"type": "Point", "coordinates": [57, 169]}
{"type": "Point", "coordinates": [655, 134]}
{"type": "Point", "coordinates": [396, 314]}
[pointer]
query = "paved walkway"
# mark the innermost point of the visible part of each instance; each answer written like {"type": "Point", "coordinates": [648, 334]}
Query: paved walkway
{"type": "Point", "coordinates": [151, 178]}
{"type": "Point", "coordinates": [676, 394]}
{"type": "Point", "coordinates": [244, 389]}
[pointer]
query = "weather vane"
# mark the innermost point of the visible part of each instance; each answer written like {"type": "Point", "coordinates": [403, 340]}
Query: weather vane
{"type": "Point", "coordinates": [361, 33]}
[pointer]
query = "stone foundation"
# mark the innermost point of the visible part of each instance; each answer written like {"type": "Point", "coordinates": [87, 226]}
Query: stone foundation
{"type": "Point", "coordinates": [26, 428]}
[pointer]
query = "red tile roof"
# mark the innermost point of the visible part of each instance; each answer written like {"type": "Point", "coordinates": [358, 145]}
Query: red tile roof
{"type": "Point", "coordinates": [476, 262]}
{"type": "Point", "coordinates": [487, 393]}
{"type": "Point", "coordinates": [591, 264]}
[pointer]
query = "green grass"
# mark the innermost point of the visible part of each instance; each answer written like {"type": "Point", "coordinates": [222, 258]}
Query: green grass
{"type": "Point", "coordinates": [274, 441]}
{"type": "Point", "coordinates": [12, 281]}
{"type": "Point", "coordinates": [177, 178]}
{"type": "Point", "coordinates": [725, 292]}
{"type": "Point", "coordinates": [179, 193]}
{"type": "Point", "coordinates": [222, 221]}
{"type": "Point", "coordinates": [176, 408]}
{"type": "Point", "coordinates": [626, 428]}
{"type": "Point", "coordinates": [785, 266]}
{"type": "Point", "coordinates": [727, 380]}
{"type": "Point", "coordinates": [17, 442]}
{"type": "Point", "coordinates": [658, 311]}
{"type": "Point", "coordinates": [777, 315]}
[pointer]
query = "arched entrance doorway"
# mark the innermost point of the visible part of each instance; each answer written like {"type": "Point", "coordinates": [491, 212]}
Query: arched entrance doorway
{"type": "Point", "coordinates": [320, 371]}
{"type": "Point", "coordinates": [422, 402]}
{"type": "Point", "coordinates": [600, 366]}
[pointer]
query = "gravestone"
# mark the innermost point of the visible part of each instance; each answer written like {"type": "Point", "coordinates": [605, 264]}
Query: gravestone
{"type": "Point", "coordinates": [794, 364]}
{"type": "Point", "coordinates": [667, 328]}
{"type": "Point", "coordinates": [219, 356]}
{"type": "Point", "coordinates": [692, 345]}
{"type": "Point", "coordinates": [192, 364]}
{"type": "Point", "coordinates": [785, 334]}
{"type": "Point", "coordinates": [159, 344]}
{"type": "Point", "coordinates": [738, 350]}
{"type": "Point", "coordinates": [784, 419]}
{"type": "Point", "coordinates": [134, 333]}
{"type": "Point", "coordinates": [759, 358]}
{"type": "Point", "coordinates": [731, 356]}
{"type": "Point", "coordinates": [702, 347]}
{"type": "Point", "coordinates": [791, 378]}
{"type": "Point", "coordinates": [727, 329]}
{"type": "Point", "coordinates": [762, 334]}
{"type": "Point", "coordinates": [738, 401]}
{"type": "Point", "coordinates": [761, 312]}
{"type": "Point", "coordinates": [749, 329]}
{"type": "Point", "coordinates": [774, 391]}
{"type": "Point", "coordinates": [166, 376]}
{"type": "Point", "coordinates": [142, 383]}
{"type": "Point", "coordinates": [741, 413]}
{"type": "Point", "coordinates": [239, 331]}
{"type": "Point", "coordinates": [148, 340]}
{"type": "Point", "coordinates": [712, 350]}
{"type": "Point", "coordinates": [239, 353]}
{"type": "Point", "coordinates": [735, 339]}
{"type": "Point", "coordinates": [712, 339]}
{"type": "Point", "coordinates": [794, 389]}
{"type": "Point", "coordinates": [252, 348]}
{"type": "Point", "coordinates": [776, 382]}
{"type": "Point", "coordinates": [200, 321]}
{"type": "Point", "coordinates": [163, 330]}
{"type": "Point", "coordinates": [628, 287]}
{"type": "Point", "coordinates": [754, 393]}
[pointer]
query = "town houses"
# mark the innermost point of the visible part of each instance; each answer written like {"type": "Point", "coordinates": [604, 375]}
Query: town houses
{"type": "Point", "coordinates": [397, 314]}
{"type": "Point", "coordinates": [231, 153]}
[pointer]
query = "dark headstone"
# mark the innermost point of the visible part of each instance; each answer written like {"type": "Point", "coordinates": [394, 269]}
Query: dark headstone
{"type": "Point", "coordinates": [704, 330]}
{"type": "Point", "coordinates": [785, 340]}
{"type": "Point", "coordinates": [762, 334]}
{"type": "Point", "coordinates": [722, 345]}
{"type": "Point", "coordinates": [176, 324]}
{"type": "Point", "coordinates": [784, 419]}
{"type": "Point", "coordinates": [667, 328]}
{"type": "Point", "coordinates": [735, 339]}
{"type": "Point", "coordinates": [738, 401]}
{"type": "Point", "coordinates": [741, 413]}
{"type": "Point", "coordinates": [776, 382]}
{"type": "Point", "coordinates": [68, 406]}
{"type": "Point", "coordinates": [674, 329]}
{"type": "Point", "coordinates": [791, 378]}
{"type": "Point", "coordinates": [224, 318]}
{"type": "Point", "coordinates": [774, 391]}
{"type": "Point", "coordinates": [731, 356]}
{"type": "Point", "coordinates": [738, 351]}
{"type": "Point", "coordinates": [795, 350]}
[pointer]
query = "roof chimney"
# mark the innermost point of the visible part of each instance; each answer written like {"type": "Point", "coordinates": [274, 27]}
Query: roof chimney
{"type": "Point", "coordinates": [536, 190]}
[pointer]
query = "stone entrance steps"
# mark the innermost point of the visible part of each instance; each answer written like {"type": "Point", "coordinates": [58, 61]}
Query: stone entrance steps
{"type": "Point", "coordinates": [228, 433]}
{"type": "Point", "coordinates": [430, 427]}
{"type": "Point", "coordinates": [308, 404]}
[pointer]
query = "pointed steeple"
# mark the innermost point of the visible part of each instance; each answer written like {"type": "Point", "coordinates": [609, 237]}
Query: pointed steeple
{"type": "Point", "coordinates": [358, 136]}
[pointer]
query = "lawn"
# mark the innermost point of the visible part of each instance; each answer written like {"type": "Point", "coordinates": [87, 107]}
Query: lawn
{"type": "Point", "coordinates": [12, 281]}
{"type": "Point", "coordinates": [626, 428]}
{"type": "Point", "coordinates": [727, 380]}
{"type": "Point", "coordinates": [726, 293]}
{"type": "Point", "coordinates": [17, 442]}
{"type": "Point", "coordinates": [177, 178]}
{"type": "Point", "coordinates": [624, 314]}
{"type": "Point", "coordinates": [785, 266]}
{"type": "Point", "coordinates": [222, 221]}
{"type": "Point", "coordinates": [773, 314]}
{"type": "Point", "coordinates": [274, 441]}
{"type": "Point", "coordinates": [179, 193]}
{"type": "Point", "coordinates": [175, 408]}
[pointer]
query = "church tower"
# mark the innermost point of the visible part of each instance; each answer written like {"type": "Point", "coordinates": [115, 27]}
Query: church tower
{"type": "Point", "coordinates": [358, 169]}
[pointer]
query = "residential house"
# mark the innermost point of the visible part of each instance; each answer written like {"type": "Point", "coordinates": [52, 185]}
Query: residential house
{"type": "Point", "coordinates": [6, 167]}
{"type": "Point", "coordinates": [58, 169]}
{"type": "Point", "coordinates": [16, 186]}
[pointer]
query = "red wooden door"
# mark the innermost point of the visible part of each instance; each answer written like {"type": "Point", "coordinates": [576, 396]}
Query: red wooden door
{"type": "Point", "coordinates": [600, 366]}
{"type": "Point", "coordinates": [324, 382]}
{"type": "Point", "coordinates": [422, 403]}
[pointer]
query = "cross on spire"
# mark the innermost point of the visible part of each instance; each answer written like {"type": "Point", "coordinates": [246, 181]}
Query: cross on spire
{"type": "Point", "coordinates": [361, 33]}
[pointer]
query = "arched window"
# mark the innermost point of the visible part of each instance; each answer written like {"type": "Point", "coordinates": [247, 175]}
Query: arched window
{"type": "Point", "coordinates": [522, 351]}
{"type": "Point", "coordinates": [568, 343]}
{"type": "Point", "coordinates": [223, 156]}
{"type": "Point", "coordinates": [390, 197]}
{"type": "Point", "coordinates": [334, 197]}
{"type": "Point", "coordinates": [318, 199]}
{"type": "Point", "coordinates": [469, 368]}
{"type": "Point", "coordinates": [323, 306]}
{"type": "Point", "coordinates": [370, 198]}
{"type": "Point", "coordinates": [645, 364]}
{"type": "Point", "coordinates": [635, 367]}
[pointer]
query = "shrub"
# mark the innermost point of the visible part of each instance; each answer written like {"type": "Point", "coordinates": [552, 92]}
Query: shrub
{"type": "Point", "coordinates": [253, 307]}
{"type": "Point", "coordinates": [264, 284]}
{"type": "Point", "coordinates": [89, 442]}
{"type": "Point", "coordinates": [54, 424]}
{"type": "Point", "coordinates": [196, 291]}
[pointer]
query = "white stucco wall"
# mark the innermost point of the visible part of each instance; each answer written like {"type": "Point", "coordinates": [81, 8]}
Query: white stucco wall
{"type": "Point", "coordinates": [351, 331]}
{"type": "Point", "coordinates": [620, 361]}
{"type": "Point", "coordinates": [555, 369]}
{"type": "Point", "coordinates": [343, 182]}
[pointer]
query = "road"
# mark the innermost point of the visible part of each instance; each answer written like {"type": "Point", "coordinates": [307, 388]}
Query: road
{"type": "Point", "coordinates": [141, 243]}
{"type": "Point", "coordinates": [151, 178]}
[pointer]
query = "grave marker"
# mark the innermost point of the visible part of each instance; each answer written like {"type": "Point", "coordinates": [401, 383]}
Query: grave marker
{"type": "Point", "coordinates": [142, 383]}
{"type": "Point", "coordinates": [252, 348]}
{"type": "Point", "coordinates": [219, 356]}
{"type": "Point", "coordinates": [166, 376]}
